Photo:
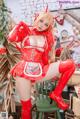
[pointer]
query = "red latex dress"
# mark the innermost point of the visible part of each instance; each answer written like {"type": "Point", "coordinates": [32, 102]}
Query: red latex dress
{"type": "Point", "coordinates": [35, 48]}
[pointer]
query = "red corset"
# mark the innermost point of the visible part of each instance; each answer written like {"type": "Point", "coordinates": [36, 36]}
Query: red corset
{"type": "Point", "coordinates": [31, 54]}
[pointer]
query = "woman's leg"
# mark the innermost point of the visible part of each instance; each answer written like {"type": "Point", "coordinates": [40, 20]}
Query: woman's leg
{"type": "Point", "coordinates": [53, 71]}
{"type": "Point", "coordinates": [23, 87]}
{"type": "Point", "coordinates": [66, 68]}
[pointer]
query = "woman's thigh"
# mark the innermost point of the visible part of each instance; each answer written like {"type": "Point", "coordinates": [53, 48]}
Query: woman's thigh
{"type": "Point", "coordinates": [53, 70]}
{"type": "Point", "coordinates": [23, 87]}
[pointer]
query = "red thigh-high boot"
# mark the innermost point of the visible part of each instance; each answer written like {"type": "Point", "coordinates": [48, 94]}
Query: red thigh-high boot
{"type": "Point", "coordinates": [26, 109]}
{"type": "Point", "coordinates": [66, 68]}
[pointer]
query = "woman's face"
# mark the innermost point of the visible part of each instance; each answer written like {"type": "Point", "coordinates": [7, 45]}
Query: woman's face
{"type": "Point", "coordinates": [42, 24]}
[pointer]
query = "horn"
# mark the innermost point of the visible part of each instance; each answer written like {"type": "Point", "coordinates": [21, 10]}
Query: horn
{"type": "Point", "coordinates": [35, 16]}
{"type": "Point", "coordinates": [46, 10]}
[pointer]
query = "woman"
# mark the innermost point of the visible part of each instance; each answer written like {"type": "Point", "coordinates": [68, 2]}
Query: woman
{"type": "Point", "coordinates": [36, 64]}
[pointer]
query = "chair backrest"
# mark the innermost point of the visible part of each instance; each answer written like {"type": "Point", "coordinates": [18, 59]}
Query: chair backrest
{"type": "Point", "coordinates": [45, 87]}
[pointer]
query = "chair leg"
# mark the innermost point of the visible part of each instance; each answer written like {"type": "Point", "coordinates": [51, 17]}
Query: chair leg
{"type": "Point", "coordinates": [37, 115]}
{"type": "Point", "coordinates": [40, 115]}
{"type": "Point", "coordinates": [58, 115]}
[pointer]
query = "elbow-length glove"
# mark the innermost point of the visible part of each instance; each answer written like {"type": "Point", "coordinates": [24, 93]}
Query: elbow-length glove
{"type": "Point", "coordinates": [19, 32]}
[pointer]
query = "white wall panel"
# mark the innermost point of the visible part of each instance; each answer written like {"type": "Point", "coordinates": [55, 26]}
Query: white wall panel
{"type": "Point", "coordinates": [25, 9]}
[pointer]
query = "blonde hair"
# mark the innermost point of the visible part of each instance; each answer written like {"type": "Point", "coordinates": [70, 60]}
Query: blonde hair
{"type": "Point", "coordinates": [44, 15]}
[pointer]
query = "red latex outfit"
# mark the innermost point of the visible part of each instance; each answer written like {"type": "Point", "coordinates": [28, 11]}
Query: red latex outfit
{"type": "Point", "coordinates": [39, 55]}
{"type": "Point", "coordinates": [32, 53]}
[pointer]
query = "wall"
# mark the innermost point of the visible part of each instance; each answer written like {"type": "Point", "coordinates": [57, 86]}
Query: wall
{"type": "Point", "coordinates": [25, 9]}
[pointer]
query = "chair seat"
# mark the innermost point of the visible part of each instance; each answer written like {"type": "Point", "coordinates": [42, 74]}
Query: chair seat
{"type": "Point", "coordinates": [49, 109]}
